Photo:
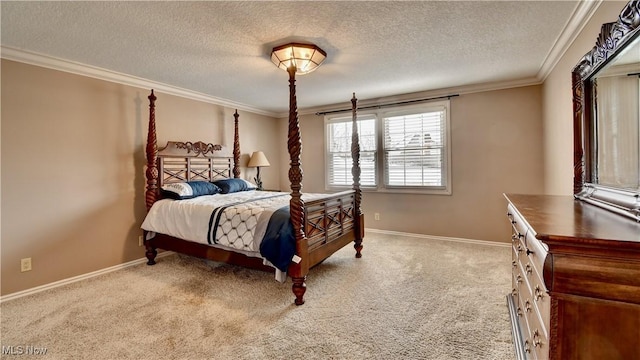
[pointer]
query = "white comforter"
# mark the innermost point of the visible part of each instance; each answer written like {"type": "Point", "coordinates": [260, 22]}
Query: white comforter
{"type": "Point", "coordinates": [241, 227]}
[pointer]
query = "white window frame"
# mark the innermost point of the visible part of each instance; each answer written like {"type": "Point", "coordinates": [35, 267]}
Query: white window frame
{"type": "Point", "coordinates": [380, 115]}
{"type": "Point", "coordinates": [348, 118]}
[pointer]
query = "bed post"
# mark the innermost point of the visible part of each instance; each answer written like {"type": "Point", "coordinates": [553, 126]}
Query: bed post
{"type": "Point", "coordinates": [152, 155]}
{"type": "Point", "coordinates": [151, 173]}
{"type": "Point", "coordinates": [298, 272]}
{"type": "Point", "coordinates": [355, 172]}
{"type": "Point", "coordinates": [236, 147]}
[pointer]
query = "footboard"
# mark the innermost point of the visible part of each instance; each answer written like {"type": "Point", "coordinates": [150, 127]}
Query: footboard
{"type": "Point", "coordinates": [329, 224]}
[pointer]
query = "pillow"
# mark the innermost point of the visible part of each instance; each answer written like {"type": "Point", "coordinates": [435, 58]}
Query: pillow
{"type": "Point", "coordinates": [189, 190]}
{"type": "Point", "coordinates": [228, 186]}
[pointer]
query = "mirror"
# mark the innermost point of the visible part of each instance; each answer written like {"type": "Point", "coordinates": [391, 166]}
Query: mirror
{"type": "Point", "coordinates": [617, 116]}
{"type": "Point", "coordinates": [606, 90]}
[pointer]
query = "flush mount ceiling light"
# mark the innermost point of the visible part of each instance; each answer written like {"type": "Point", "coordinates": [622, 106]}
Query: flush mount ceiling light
{"type": "Point", "coordinates": [304, 58]}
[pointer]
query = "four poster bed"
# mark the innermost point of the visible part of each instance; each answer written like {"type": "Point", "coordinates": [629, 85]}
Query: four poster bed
{"type": "Point", "coordinates": [290, 232]}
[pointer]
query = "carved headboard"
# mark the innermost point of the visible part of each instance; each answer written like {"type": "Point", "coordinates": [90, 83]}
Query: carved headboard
{"type": "Point", "coordinates": [180, 161]}
{"type": "Point", "coordinates": [198, 161]}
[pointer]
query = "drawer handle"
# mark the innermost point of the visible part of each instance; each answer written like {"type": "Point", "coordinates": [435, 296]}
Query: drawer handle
{"type": "Point", "coordinates": [529, 252]}
{"type": "Point", "coordinates": [527, 306]}
{"type": "Point", "coordinates": [519, 311]}
{"type": "Point", "coordinates": [528, 269]}
{"type": "Point", "coordinates": [536, 339]}
{"type": "Point", "coordinates": [520, 249]}
{"type": "Point", "coordinates": [518, 279]}
{"type": "Point", "coordinates": [538, 293]}
{"type": "Point", "coordinates": [514, 263]}
{"type": "Point", "coordinates": [527, 346]}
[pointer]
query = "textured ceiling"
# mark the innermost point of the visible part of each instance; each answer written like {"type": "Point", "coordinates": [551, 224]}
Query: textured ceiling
{"type": "Point", "coordinates": [222, 49]}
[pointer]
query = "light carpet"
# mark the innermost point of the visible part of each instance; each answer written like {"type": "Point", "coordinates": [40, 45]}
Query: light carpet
{"type": "Point", "coordinates": [406, 298]}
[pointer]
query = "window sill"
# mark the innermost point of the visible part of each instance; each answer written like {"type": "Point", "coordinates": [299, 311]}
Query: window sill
{"type": "Point", "coordinates": [415, 191]}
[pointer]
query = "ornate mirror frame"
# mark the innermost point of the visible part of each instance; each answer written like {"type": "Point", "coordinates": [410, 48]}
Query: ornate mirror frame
{"type": "Point", "coordinates": [613, 38]}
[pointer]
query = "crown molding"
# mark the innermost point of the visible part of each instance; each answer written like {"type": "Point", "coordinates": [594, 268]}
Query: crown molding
{"type": "Point", "coordinates": [77, 68]}
{"type": "Point", "coordinates": [578, 20]}
{"type": "Point", "coordinates": [458, 90]}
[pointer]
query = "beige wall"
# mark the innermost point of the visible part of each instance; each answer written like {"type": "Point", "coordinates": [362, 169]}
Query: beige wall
{"type": "Point", "coordinates": [558, 107]}
{"type": "Point", "coordinates": [72, 162]}
{"type": "Point", "coordinates": [72, 167]}
{"type": "Point", "coordinates": [496, 148]}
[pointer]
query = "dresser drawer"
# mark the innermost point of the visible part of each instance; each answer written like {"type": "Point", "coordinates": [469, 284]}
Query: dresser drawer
{"type": "Point", "coordinates": [534, 334]}
{"type": "Point", "coordinates": [521, 230]}
{"type": "Point", "coordinates": [535, 250]}
{"type": "Point", "coordinates": [538, 334]}
{"type": "Point", "coordinates": [517, 223]}
{"type": "Point", "coordinates": [540, 298]}
{"type": "Point", "coordinates": [521, 283]}
{"type": "Point", "coordinates": [515, 258]}
{"type": "Point", "coordinates": [527, 341]}
{"type": "Point", "coordinates": [533, 314]}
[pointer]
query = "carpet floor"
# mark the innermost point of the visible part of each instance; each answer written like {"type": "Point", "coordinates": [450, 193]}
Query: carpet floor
{"type": "Point", "coordinates": [406, 298]}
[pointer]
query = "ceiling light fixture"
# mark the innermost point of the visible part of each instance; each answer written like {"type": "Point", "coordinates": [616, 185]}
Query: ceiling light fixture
{"type": "Point", "coordinates": [303, 57]}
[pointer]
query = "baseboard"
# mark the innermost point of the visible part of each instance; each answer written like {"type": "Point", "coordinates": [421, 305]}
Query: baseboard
{"type": "Point", "coordinates": [63, 282]}
{"type": "Point", "coordinates": [434, 237]}
{"type": "Point", "coordinates": [71, 280]}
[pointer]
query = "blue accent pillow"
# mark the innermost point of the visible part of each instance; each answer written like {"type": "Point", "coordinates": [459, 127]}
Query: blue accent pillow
{"type": "Point", "coordinates": [189, 190]}
{"type": "Point", "coordinates": [228, 186]}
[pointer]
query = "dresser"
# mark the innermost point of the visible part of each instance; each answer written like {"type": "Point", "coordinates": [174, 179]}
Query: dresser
{"type": "Point", "coordinates": [575, 280]}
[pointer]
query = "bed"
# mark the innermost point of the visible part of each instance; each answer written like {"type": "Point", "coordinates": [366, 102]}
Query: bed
{"type": "Point", "coordinates": [297, 230]}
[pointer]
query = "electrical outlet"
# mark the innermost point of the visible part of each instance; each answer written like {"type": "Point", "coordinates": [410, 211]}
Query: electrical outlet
{"type": "Point", "coordinates": [25, 264]}
{"type": "Point", "coordinates": [376, 216]}
{"type": "Point", "coordinates": [140, 240]}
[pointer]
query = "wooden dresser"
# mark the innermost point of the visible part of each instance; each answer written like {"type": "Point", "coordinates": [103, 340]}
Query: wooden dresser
{"type": "Point", "coordinates": [576, 280]}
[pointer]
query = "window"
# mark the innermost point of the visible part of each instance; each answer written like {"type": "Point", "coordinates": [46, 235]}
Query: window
{"type": "Point", "coordinates": [409, 154]}
{"type": "Point", "coordinates": [339, 160]}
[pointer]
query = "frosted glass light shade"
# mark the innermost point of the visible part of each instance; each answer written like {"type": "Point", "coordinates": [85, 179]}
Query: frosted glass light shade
{"type": "Point", "coordinates": [305, 57]}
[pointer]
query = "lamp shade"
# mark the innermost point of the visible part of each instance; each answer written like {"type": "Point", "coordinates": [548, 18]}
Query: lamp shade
{"type": "Point", "coordinates": [305, 57]}
{"type": "Point", "coordinates": [258, 160]}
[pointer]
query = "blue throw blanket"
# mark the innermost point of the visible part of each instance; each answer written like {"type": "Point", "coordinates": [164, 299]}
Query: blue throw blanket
{"type": "Point", "coordinates": [279, 245]}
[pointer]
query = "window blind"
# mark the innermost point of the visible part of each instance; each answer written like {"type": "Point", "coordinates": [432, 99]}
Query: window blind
{"type": "Point", "coordinates": [339, 160]}
{"type": "Point", "coordinates": [413, 150]}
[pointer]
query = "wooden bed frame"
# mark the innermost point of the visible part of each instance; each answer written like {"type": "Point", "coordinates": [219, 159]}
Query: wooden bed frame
{"type": "Point", "coordinates": [321, 227]}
